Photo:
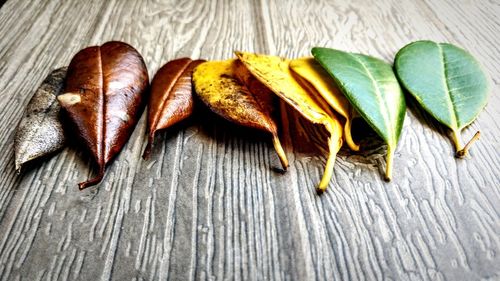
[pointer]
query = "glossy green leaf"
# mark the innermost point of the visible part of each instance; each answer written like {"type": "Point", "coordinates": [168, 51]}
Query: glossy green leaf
{"type": "Point", "coordinates": [447, 82]}
{"type": "Point", "coordinates": [372, 88]}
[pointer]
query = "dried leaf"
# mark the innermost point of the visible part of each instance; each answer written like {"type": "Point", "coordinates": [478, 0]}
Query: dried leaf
{"type": "Point", "coordinates": [104, 97]}
{"type": "Point", "coordinates": [274, 72]}
{"type": "Point", "coordinates": [171, 99]}
{"type": "Point", "coordinates": [312, 76]}
{"type": "Point", "coordinates": [217, 85]}
{"type": "Point", "coordinates": [40, 132]}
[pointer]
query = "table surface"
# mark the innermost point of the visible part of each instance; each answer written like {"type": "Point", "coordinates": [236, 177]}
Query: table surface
{"type": "Point", "coordinates": [209, 204]}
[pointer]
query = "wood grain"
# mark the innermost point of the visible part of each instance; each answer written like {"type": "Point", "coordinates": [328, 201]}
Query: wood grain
{"type": "Point", "coordinates": [209, 204]}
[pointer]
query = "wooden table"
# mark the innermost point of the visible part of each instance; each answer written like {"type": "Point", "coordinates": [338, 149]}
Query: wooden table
{"type": "Point", "coordinates": [209, 203]}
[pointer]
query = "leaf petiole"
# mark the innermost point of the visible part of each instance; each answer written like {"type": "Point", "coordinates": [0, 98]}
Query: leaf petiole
{"type": "Point", "coordinates": [348, 136]}
{"type": "Point", "coordinates": [389, 159]}
{"type": "Point", "coordinates": [281, 153]}
{"type": "Point", "coordinates": [455, 137]}
{"type": "Point", "coordinates": [327, 175]}
{"type": "Point", "coordinates": [462, 152]}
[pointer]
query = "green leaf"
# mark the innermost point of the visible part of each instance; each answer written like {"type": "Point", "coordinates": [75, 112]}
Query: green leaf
{"type": "Point", "coordinates": [372, 88]}
{"type": "Point", "coordinates": [447, 82]}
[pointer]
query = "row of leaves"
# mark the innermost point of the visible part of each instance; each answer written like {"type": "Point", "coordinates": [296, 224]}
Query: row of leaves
{"type": "Point", "coordinates": [104, 90]}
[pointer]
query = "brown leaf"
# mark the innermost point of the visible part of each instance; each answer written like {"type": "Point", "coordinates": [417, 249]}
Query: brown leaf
{"type": "Point", "coordinates": [40, 132]}
{"type": "Point", "coordinates": [104, 97]}
{"type": "Point", "coordinates": [171, 99]}
{"type": "Point", "coordinates": [218, 86]}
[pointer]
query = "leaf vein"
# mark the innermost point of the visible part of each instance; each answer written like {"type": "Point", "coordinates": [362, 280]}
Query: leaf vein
{"type": "Point", "coordinates": [385, 110]}
{"type": "Point", "coordinates": [450, 100]}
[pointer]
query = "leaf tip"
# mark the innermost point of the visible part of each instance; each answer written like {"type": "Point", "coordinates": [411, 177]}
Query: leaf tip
{"type": "Point", "coordinates": [388, 167]}
{"type": "Point", "coordinates": [147, 151]}
{"type": "Point", "coordinates": [348, 136]}
{"type": "Point", "coordinates": [18, 168]}
{"type": "Point", "coordinates": [91, 182]}
{"type": "Point", "coordinates": [281, 153]}
{"type": "Point", "coordinates": [350, 142]}
{"type": "Point", "coordinates": [460, 154]}
{"type": "Point", "coordinates": [320, 190]}
{"type": "Point", "coordinates": [149, 146]}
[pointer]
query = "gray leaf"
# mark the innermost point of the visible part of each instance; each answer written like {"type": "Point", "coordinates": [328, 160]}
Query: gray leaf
{"type": "Point", "coordinates": [40, 132]}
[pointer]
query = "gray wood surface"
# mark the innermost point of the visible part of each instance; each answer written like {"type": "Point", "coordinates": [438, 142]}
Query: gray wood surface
{"type": "Point", "coordinates": [209, 203]}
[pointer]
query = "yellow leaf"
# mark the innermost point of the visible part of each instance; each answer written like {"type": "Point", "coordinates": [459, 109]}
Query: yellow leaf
{"type": "Point", "coordinates": [274, 72]}
{"type": "Point", "coordinates": [217, 85]}
{"type": "Point", "coordinates": [310, 74]}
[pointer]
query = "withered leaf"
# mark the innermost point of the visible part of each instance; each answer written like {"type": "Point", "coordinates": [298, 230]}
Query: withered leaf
{"type": "Point", "coordinates": [312, 76]}
{"type": "Point", "coordinates": [274, 72]}
{"type": "Point", "coordinates": [104, 96]}
{"type": "Point", "coordinates": [217, 85]}
{"type": "Point", "coordinates": [171, 99]}
{"type": "Point", "coordinates": [40, 132]}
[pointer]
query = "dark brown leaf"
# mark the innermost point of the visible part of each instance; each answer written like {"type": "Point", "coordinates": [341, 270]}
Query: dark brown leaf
{"type": "Point", "coordinates": [104, 97]}
{"type": "Point", "coordinates": [40, 132]}
{"type": "Point", "coordinates": [171, 97]}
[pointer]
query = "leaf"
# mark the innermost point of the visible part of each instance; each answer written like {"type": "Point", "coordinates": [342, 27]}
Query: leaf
{"type": "Point", "coordinates": [446, 81]}
{"type": "Point", "coordinates": [274, 72]}
{"type": "Point", "coordinates": [312, 76]}
{"type": "Point", "coordinates": [218, 86]}
{"type": "Point", "coordinates": [372, 88]}
{"type": "Point", "coordinates": [40, 132]}
{"type": "Point", "coordinates": [171, 99]}
{"type": "Point", "coordinates": [265, 97]}
{"type": "Point", "coordinates": [104, 97]}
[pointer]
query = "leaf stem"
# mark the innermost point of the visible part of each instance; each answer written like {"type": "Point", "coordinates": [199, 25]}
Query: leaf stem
{"type": "Point", "coordinates": [389, 160]}
{"type": "Point", "coordinates": [348, 137]}
{"type": "Point", "coordinates": [97, 179]}
{"type": "Point", "coordinates": [455, 137]}
{"type": "Point", "coordinates": [280, 151]}
{"type": "Point", "coordinates": [327, 175]}
{"type": "Point", "coordinates": [462, 152]}
{"type": "Point", "coordinates": [149, 146]}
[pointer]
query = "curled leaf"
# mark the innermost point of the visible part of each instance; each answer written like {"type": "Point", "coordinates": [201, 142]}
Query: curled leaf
{"type": "Point", "coordinates": [104, 97]}
{"type": "Point", "coordinates": [218, 86]}
{"type": "Point", "coordinates": [372, 88]}
{"type": "Point", "coordinates": [446, 81]}
{"type": "Point", "coordinates": [274, 72]}
{"type": "Point", "coordinates": [171, 99]}
{"type": "Point", "coordinates": [312, 76]}
{"type": "Point", "coordinates": [40, 132]}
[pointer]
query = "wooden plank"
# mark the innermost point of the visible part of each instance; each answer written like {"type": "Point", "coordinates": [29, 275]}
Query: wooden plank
{"type": "Point", "coordinates": [209, 204]}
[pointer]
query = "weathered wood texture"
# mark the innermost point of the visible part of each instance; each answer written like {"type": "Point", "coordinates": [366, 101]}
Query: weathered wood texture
{"type": "Point", "coordinates": [208, 205]}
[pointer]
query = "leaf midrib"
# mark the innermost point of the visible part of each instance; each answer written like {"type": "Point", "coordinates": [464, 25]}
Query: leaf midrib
{"type": "Point", "coordinates": [103, 109]}
{"type": "Point", "coordinates": [168, 91]}
{"type": "Point", "coordinates": [378, 95]}
{"type": "Point", "coordinates": [450, 100]}
{"type": "Point", "coordinates": [268, 120]}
